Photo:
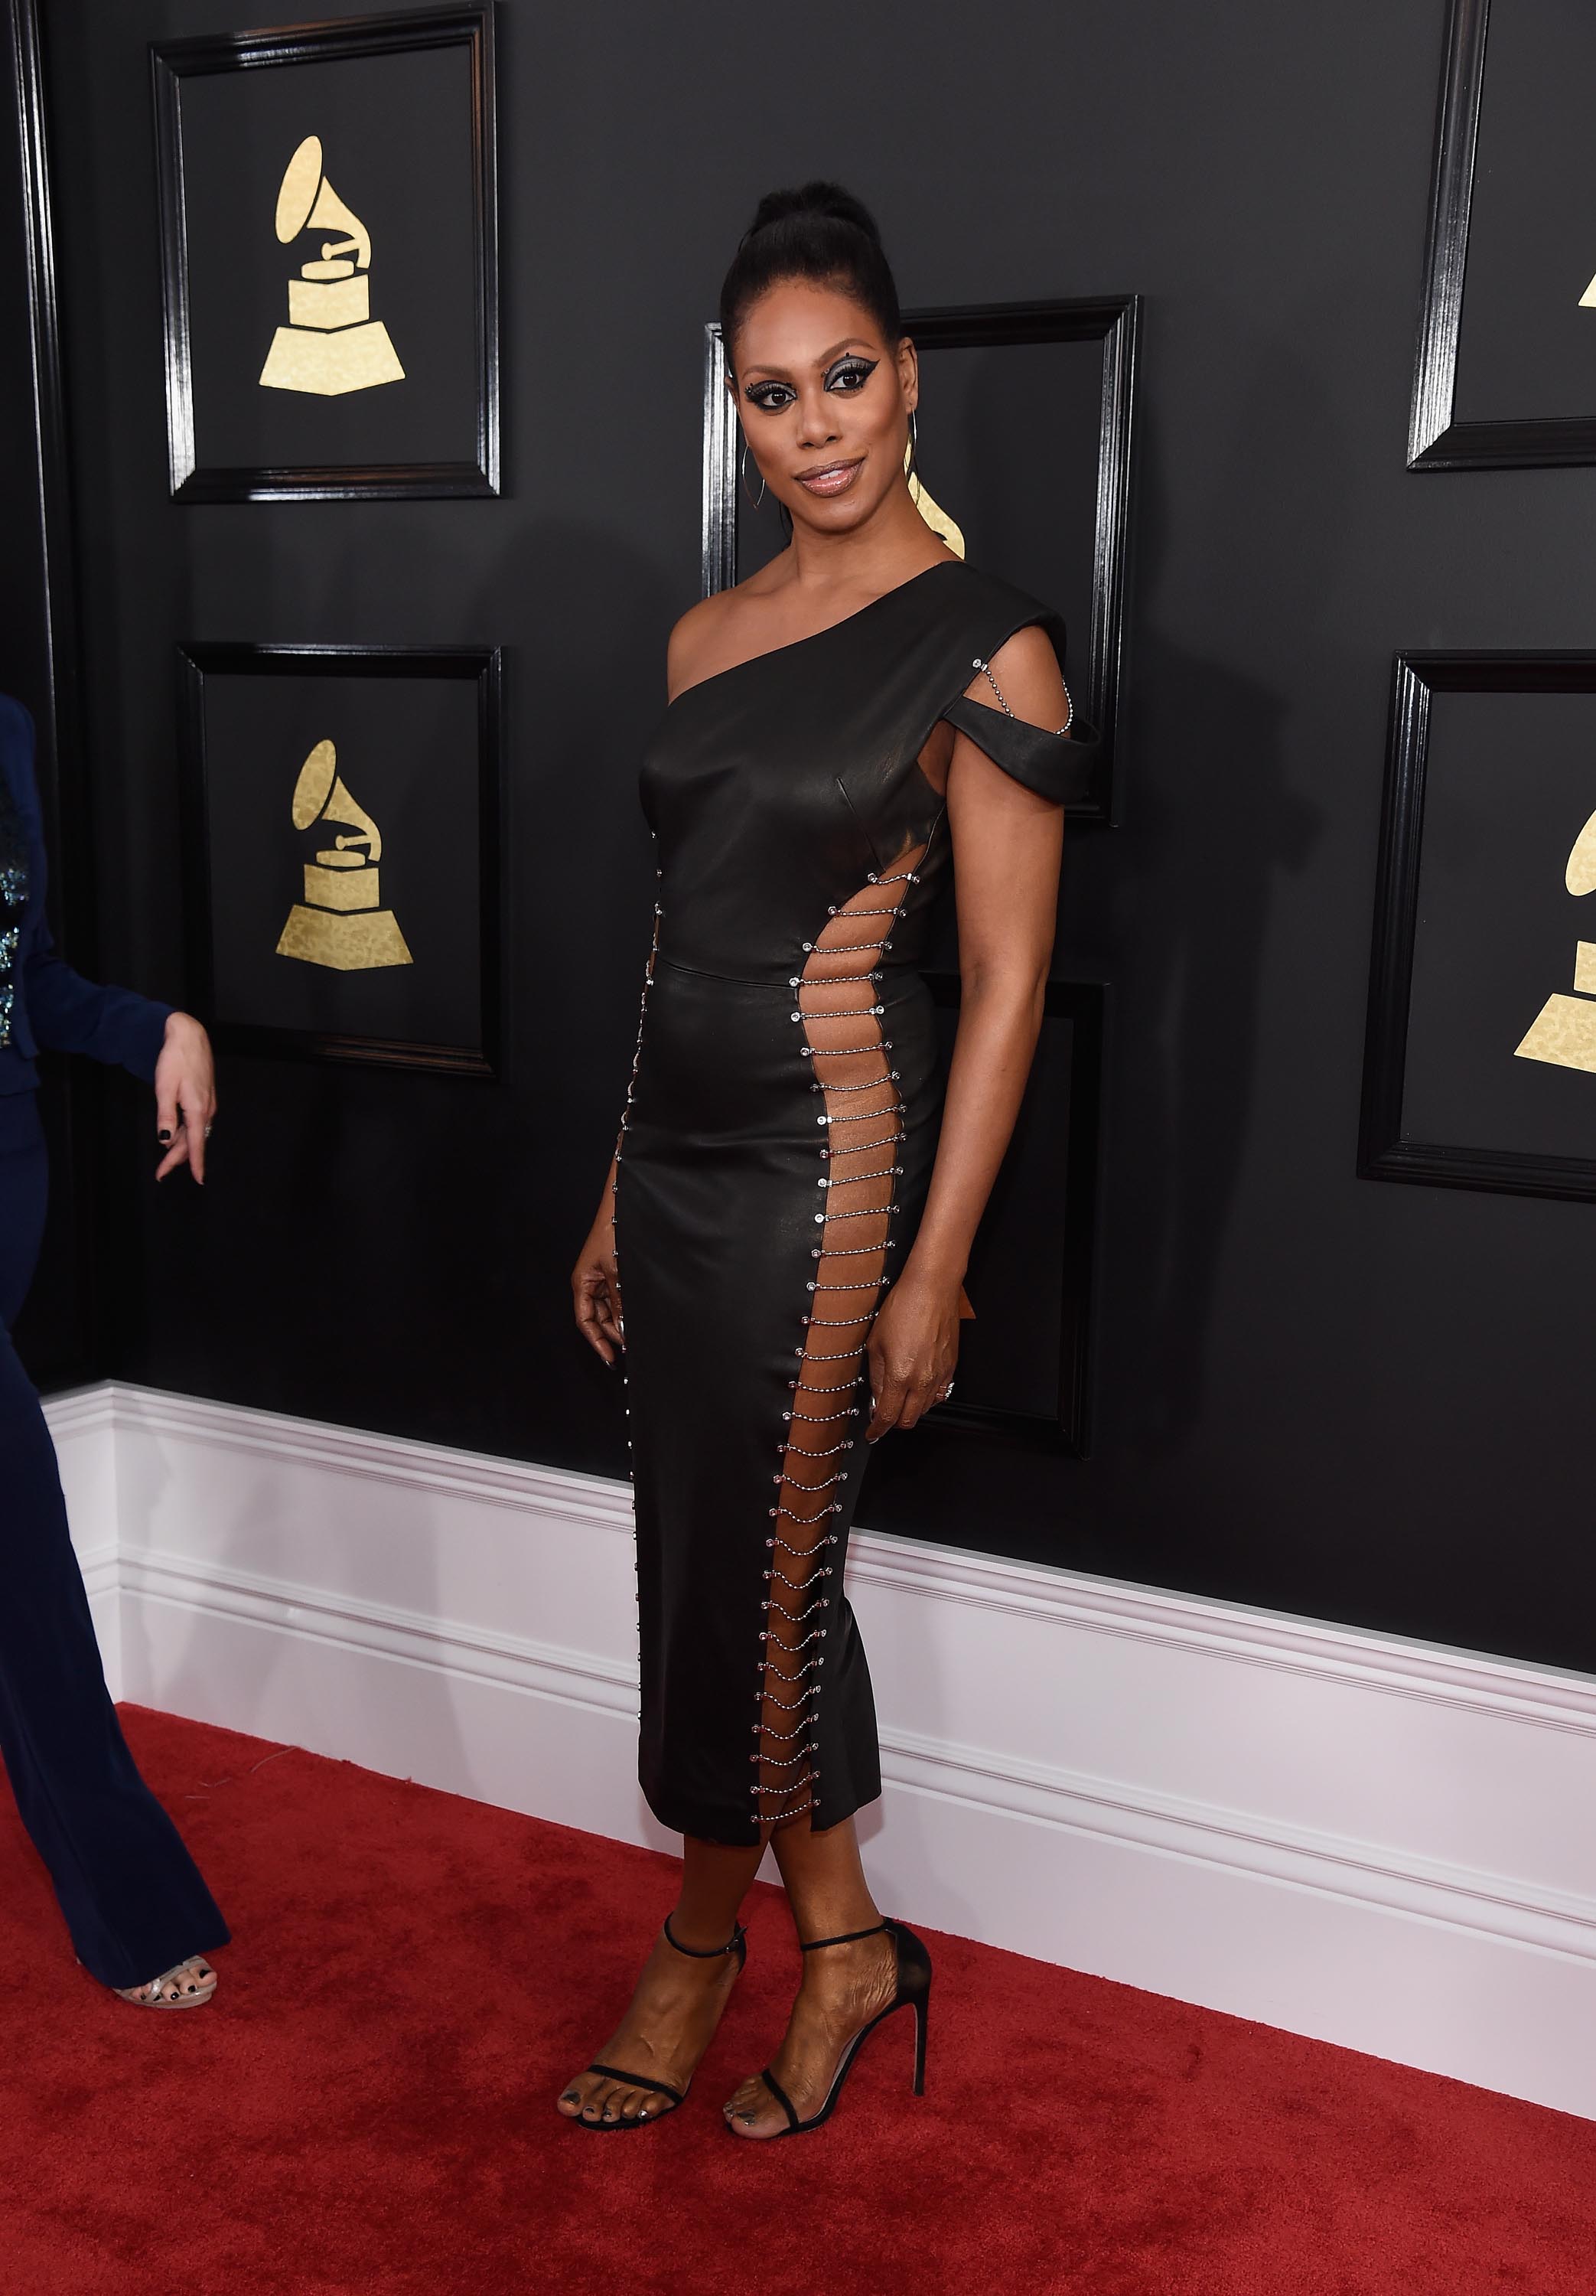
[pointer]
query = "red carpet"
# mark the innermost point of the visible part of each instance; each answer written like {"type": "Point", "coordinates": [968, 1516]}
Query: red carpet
{"type": "Point", "coordinates": [368, 2107]}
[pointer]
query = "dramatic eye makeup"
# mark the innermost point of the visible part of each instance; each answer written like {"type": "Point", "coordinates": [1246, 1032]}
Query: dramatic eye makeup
{"type": "Point", "coordinates": [851, 373]}
{"type": "Point", "coordinates": [847, 376]}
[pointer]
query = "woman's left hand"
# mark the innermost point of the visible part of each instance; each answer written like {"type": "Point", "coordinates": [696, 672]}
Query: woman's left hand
{"type": "Point", "coordinates": [186, 1096]}
{"type": "Point", "coordinates": [913, 1350]}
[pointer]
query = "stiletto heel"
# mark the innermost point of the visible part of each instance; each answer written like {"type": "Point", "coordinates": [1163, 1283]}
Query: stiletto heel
{"type": "Point", "coordinates": [913, 1991]}
{"type": "Point", "coordinates": [738, 1944]}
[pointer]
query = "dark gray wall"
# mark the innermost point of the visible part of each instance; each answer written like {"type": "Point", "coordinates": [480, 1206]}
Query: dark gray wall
{"type": "Point", "coordinates": [1357, 1401]}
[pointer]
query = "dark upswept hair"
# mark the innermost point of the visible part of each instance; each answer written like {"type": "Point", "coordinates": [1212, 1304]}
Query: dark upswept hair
{"type": "Point", "coordinates": [818, 231]}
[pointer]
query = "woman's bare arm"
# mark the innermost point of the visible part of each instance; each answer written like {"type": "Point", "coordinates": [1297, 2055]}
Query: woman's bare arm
{"type": "Point", "coordinates": [1007, 847]}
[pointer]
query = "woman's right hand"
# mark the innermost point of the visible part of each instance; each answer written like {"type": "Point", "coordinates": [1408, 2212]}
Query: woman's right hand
{"type": "Point", "coordinates": [595, 1285]}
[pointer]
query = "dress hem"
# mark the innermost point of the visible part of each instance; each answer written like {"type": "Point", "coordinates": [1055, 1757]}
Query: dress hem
{"type": "Point", "coordinates": [703, 1826]}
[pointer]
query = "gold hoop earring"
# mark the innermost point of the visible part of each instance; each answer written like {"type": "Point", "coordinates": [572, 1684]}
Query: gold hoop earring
{"type": "Point", "coordinates": [755, 498]}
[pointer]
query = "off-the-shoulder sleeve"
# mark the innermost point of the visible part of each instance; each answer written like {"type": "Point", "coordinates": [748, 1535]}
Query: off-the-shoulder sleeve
{"type": "Point", "coordinates": [1059, 766]}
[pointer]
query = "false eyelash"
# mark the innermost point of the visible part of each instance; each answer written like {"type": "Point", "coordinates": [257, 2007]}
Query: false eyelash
{"type": "Point", "coordinates": [853, 365]}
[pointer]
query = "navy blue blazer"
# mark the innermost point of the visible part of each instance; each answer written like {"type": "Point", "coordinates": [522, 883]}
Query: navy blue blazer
{"type": "Point", "coordinates": [50, 1004]}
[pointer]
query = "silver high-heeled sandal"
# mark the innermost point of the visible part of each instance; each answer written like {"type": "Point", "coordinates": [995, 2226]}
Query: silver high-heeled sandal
{"type": "Point", "coordinates": [188, 1985]}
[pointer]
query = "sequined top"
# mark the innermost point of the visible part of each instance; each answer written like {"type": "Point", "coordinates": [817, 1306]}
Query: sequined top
{"type": "Point", "coordinates": [43, 1001]}
{"type": "Point", "coordinates": [13, 904]}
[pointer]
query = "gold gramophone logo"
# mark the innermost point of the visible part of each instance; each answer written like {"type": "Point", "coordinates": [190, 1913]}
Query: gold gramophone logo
{"type": "Point", "coordinates": [1564, 1030]}
{"type": "Point", "coordinates": [341, 922]}
{"type": "Point", "coordinates": [331, 343]}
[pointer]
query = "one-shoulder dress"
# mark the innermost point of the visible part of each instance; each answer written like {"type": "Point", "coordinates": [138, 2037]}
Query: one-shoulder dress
{"type": "Point", "coordinates": [776, 1151]}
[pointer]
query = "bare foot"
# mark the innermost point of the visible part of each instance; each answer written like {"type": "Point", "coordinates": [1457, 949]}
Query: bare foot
{"type": "Point", "coordinates": [669, 2024]}
{"type": "Point", "coordinates": [842, 1989]}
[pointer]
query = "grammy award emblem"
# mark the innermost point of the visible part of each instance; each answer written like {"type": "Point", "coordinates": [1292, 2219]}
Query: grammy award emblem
{"type": "Point", "coordinates": [331, 343]}
{"type": "Point", "coordinates": [341, 922]}
{"type": "Point", "coordinates": [1564, 1030]}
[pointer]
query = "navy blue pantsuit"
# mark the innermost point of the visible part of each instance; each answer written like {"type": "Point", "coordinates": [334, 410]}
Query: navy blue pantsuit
{"type": "Point", "coordinates": [133, 1899]}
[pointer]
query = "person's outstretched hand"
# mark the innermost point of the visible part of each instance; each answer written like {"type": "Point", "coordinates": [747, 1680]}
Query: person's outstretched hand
{"type": "Point", "coordinates": [186, 1096]}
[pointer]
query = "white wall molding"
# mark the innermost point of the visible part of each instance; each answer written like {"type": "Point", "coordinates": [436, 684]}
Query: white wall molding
{"type": "Point", "coordinates": [1372, 1840]}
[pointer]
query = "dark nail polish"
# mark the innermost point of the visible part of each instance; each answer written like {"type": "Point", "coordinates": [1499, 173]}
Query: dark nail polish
{"type": "Point", "coordinates": [163, 1137]}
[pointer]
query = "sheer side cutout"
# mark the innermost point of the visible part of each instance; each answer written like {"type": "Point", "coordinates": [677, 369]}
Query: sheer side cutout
{"type": "Point", "coordinates": [860, 1128]}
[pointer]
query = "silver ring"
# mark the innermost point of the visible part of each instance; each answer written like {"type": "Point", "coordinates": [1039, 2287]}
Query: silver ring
{"type": "Point", "coordinates": [208, 1131]}
{"type": "Point", "coordinates": [947, 1390]}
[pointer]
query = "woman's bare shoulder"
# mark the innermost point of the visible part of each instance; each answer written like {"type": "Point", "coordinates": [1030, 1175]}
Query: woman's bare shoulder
{"type": "Point", "coordinates": [719, 630]}
{"type": "Point", "coordinates": [1027, 673]}
{"type": "Point", "coordinates": [701, 641]}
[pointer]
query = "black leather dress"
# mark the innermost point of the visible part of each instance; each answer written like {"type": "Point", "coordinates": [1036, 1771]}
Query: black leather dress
{"type": "Point", "coordinates": [776, 1149]}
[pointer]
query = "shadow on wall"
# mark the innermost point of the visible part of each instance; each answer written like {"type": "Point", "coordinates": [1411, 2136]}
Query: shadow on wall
{"type": "Point", "coordinates": [1209, 804]}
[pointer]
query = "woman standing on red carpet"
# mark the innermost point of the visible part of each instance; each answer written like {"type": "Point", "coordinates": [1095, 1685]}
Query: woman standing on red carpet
{"type": "Point", "coordinates": [141, 1918]}
{"type": "Point", "coordinates": [861, 722]}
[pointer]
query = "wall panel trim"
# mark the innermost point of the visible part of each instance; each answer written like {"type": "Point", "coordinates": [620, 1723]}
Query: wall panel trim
{"type": "Point", "coordinates": [1344, 1833]}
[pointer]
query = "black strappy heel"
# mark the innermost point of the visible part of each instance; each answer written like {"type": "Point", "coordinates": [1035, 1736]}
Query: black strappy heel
{"type": "Point", "coordinates": [913, 1992]}
{"type": "Point", "coordinates": [678, 2096]}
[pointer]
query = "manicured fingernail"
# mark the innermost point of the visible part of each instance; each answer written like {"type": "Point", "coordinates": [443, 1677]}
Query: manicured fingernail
{"type": "Point", "coordinates": [163, 1137]}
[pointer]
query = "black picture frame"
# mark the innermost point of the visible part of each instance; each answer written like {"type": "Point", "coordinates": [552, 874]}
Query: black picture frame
{"type": "Point", "coordinates": [480, 665]}
{"type": "Point", "coordinates": [1437, 439]}
{"type": "Point", "coordinates": [176, 63]}
{"type": "Point", "coordinates": [1069, 1169]}
{"type": "Point", "coordinates": [1384, 1152]}
{"type": "Point", "coordinates": [1112, 320]}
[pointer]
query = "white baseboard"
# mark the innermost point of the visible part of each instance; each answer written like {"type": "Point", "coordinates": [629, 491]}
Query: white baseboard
{"type": "Point", "coordinates": [1373, 1840]}
{"type": "Point", "coordinates": [84, 1426]}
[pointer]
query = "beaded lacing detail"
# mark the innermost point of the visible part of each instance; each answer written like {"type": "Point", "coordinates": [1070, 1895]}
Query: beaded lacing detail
{"type": "Point", "coordinates": [853, 1012]}
{"type": "Point", "coordinates": [643, 1015]}
{"type": "Point", "coordinates": [822, 1603]}
{"type": "Point", "coordinates": [986, 669]}
{"type": "Point", "coordinates": [786, 1786]}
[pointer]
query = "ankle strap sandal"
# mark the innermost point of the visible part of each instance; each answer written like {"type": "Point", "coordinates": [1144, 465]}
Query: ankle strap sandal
{"type": "Point", "coordinates": [912, 1991]}
{"type": "Point", "coordinates": [736, 1944]}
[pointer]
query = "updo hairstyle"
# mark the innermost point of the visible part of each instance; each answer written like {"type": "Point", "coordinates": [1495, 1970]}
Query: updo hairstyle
{"type": "Point", "coordinates": [819, 232]}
